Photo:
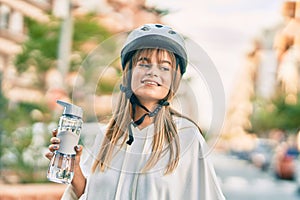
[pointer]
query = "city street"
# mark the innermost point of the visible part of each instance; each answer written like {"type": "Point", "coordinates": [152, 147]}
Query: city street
{"type": "Point", "coordinates": [242, 181]}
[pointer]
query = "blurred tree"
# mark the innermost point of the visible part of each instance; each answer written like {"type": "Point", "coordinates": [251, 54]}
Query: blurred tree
{"type": "Point", "coordinates": [275, 114]}
{"type": "Point", "coordinates": [16, 136]}
{"type": "Point", "coordinates": [3, 103]}
{"type": "Point", "coordinates": [40, 50]}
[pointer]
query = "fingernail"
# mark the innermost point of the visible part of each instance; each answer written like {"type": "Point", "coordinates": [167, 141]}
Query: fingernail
{"type": "Point", "coordinates": [55, 146]}
{"type": "Point", "coordinates": [77, 147]}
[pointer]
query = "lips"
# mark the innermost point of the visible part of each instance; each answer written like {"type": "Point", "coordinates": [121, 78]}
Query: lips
{"type": "Point", "coordinates": [150, 82]}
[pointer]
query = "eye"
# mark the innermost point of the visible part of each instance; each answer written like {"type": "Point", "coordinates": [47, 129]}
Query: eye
{"type": "Point", "coordinates": [144, 65]}
{"type": "Point", "coordinates": [164, 68]}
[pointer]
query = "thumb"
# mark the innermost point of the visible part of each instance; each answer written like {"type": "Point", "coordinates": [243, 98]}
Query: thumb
{"type": "Point", "coordinates": [78, 149]}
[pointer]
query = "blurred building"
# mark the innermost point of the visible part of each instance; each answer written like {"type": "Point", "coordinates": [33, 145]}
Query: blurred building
{"type": "Point", "coordinates": [240, 108]}
{"type": "Point", "coordinates": [114, 15]}
{"type": "Point", "coordinates": [287, 47]}
{"type": "Point", "coordinates": [12, 35]}
{"type": "Point", "coordinates": [271, 66]}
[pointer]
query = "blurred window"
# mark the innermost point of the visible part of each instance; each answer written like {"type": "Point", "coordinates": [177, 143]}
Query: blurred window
{"type": "Point", "coordinates": [4, 16]}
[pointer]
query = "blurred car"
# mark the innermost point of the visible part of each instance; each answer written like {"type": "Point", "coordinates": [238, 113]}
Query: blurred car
{"type": "Point", "coordinates": [262, 154]}
{"type": "Point", "coordinates": [285, 165]}
{"type": "Point", "coordinates": [241, 154]}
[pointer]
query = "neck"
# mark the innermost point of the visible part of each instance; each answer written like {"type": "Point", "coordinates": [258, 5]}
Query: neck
{"type": "Point", "coordinates": [139, 112]}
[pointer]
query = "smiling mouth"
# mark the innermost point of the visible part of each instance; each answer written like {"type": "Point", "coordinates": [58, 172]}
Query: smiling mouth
{"type": "Point", "coordinates": [147, 82]}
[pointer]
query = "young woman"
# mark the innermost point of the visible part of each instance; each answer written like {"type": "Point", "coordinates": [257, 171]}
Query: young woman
{"type": "Point", "coordinates": [148, 150]}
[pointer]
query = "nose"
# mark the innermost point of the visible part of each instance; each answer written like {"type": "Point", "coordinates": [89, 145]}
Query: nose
{"type": "Point", "coordinates": [152, 71]}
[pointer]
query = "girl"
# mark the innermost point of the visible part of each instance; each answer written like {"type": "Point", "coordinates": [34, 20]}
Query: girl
{"type": "Point", "coordinates": [149, 150]}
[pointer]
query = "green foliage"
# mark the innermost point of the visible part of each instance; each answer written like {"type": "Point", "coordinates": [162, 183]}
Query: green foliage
{"type": "Point", "coordinates": [19, 115]}
{"type": "Point", "coordinates": [3, 107]}
{"type": "Point", "coordinates": [86, 28]}
{"type": "Point", "coordinates": [41, 46]}
{"type": "Point", "coordinates": [17, 140]}
{"type": "Point", "coordinates": [23, 154]}
{"type": "Point", "coordinates": [275, 114]}
{"type": "Point", "coordinates": [157, 11]}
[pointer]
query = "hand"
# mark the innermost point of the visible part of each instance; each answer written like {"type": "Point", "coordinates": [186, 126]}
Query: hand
{"type": "Point", "coordinates": [55, 141]}
{"type": "Point", "coordinates": [79, 181]}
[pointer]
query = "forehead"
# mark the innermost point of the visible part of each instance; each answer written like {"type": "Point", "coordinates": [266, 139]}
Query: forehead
{"type": "Point", "coordinates": [155, 54]}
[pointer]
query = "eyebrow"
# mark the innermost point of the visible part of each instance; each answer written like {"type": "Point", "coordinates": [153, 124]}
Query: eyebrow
{"type": "Point", "coordinates": [144, 59]}
{"type": "Point", "coordinates": [148, 60]}
{"type": "Point", "coordinates": [166, 61]}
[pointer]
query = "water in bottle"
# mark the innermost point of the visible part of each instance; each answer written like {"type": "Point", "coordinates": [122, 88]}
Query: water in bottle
{"type": "Point", "coordinates": [61, 168]}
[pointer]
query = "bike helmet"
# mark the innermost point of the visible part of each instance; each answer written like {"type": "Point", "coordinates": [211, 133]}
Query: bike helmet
{"type": "Point", "coordinates": [155, 36]}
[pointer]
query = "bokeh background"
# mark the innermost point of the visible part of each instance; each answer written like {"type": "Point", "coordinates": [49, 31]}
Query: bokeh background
{"type": "Point", "coordinates": [254, 45]}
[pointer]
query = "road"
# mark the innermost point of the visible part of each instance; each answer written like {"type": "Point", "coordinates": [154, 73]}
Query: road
{"type": "Point", "coordinates": [243, 181]}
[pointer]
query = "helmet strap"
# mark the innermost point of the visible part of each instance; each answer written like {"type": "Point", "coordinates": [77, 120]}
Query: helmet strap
{"type": "Point", "coordinates": [141, 119]}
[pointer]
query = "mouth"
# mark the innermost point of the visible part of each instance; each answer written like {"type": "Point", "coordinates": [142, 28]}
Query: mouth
{"type": "Point", "coordinates": [150, 82]}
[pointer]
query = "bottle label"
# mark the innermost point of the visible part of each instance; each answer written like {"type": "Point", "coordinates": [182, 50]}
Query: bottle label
{"type": "Point", "coordinates": [68, 140]}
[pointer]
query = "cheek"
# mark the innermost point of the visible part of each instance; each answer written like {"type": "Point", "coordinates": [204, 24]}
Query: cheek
{"type": "Point", "coordinates": [167, 80]}
{"type": "Point", "coordinates": [134, 80]}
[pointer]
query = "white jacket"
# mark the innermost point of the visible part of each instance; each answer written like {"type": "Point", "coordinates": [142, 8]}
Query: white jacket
{"type": "Point", "coordinates": [193, 179]}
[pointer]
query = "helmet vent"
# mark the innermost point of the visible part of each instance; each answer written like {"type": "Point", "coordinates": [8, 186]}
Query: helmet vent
{"type": "Point", "coordinates": [145, 28]}
{"type": "Point", "coordinates": [172, 32]}
{"type": "Point", "coordinates": [158, 25]}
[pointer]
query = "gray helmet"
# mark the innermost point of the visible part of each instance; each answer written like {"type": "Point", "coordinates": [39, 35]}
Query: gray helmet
{"type": "Point", "coordinates": [155, 36]}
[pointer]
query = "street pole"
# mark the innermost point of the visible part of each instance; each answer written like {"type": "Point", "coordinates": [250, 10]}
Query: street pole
{"type": "Point", "coordinates": [66, 35]}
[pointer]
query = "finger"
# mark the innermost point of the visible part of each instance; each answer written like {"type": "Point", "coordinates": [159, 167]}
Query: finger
{"type": "Point", "coordinates": [78, 149]}
{"type": "Point", "coordinates": [55, 140]}
{"type": "Point", "coordinates": [49, 155]}
{"type": "Point", "coordinates": [53, 147]}
{"type": "Point", "coordinates": [54, 132]}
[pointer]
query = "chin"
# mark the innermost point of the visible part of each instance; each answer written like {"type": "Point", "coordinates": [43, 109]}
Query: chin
{"type": "Point", "coordinates": [149, 97]}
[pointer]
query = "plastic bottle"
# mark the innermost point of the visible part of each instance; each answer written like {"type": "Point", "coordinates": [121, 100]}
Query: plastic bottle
{"type": "Point", "coordinates": [61, 168]}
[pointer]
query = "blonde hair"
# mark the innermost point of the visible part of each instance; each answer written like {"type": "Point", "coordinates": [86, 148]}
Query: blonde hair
{"type": "Point", "coordinates": [164, 127]}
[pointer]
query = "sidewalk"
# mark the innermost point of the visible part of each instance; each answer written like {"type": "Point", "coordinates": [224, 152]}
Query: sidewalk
{"type": "Point", "coordinates": [47, 191]}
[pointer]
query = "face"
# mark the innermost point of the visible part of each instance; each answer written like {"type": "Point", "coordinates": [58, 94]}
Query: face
{"type": "Point", "coordinates": [152, 76]}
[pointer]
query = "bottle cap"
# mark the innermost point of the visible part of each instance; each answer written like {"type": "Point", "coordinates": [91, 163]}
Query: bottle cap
{"type": "Point", "coordinates": [71, 109]}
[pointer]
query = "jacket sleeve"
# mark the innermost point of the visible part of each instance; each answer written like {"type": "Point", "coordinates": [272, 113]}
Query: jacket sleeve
{"type": "Point", "coordinates": [69, 194]}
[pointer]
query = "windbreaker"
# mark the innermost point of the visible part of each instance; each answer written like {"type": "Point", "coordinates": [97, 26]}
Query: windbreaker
{"type": "Point", "coordinates": [194, 178]}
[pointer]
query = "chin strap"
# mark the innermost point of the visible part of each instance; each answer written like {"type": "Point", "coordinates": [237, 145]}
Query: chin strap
{"type": "Point", "coordinates": [135, 102]}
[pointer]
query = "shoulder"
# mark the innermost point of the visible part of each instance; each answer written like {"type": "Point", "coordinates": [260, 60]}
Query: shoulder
{"type": "Point", "coordinates": [186, 125]}
{"type": "Point", "coordinates": [183, 123]}
{"type": "Point", "coordinates": [191, 138]}
{"type": "Point", "coordinates": [187, 129]}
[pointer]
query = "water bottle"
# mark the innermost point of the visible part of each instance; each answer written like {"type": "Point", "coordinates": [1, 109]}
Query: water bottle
{"type": "Point", "coordinates": [61, 168]}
